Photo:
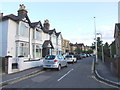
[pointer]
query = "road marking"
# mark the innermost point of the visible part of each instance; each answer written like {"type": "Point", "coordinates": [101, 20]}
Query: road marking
{"type": "Point", "coordinates": [104, 82]}
{"type": "Point", "coordinates": [65, 75]}
{"type": "Point", "coordinates": [92, 68]}
{"type": "Point", "coordinates": [23, 78]}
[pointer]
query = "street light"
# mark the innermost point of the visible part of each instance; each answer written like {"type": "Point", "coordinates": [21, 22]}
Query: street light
{"type": "Point", "coordinates": [95, 40]}
{"type": "Point", "coordinates": [102, 47]}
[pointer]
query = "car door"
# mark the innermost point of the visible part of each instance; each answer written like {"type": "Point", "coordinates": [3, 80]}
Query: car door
{"type": "Point", "coordinates": [64, 61]}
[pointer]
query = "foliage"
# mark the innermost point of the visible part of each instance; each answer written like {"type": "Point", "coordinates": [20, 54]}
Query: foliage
{"type": "Point", "coordinates": [78, 50]}
{"type": "Point", "coordinates": [106, 50]}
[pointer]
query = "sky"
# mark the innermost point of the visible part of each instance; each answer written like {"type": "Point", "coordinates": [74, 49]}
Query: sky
{"type": "Point", "coordinates": [75, 20]}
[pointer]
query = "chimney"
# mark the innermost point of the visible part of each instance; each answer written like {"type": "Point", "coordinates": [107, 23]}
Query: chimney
{"type": "Point", "coordinates": [1, 14]}
{"type": "Point", "coordinates": [46, 24]}
{"type": "Point", "coordinates": [22, 10]}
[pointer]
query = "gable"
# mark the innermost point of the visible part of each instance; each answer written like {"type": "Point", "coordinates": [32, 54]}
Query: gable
{"type": "Point", "coordinates": [117, 29]}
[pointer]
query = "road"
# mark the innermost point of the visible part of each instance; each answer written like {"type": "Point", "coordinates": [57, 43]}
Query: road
{"type": "Point", "coordinates": [77, 75]}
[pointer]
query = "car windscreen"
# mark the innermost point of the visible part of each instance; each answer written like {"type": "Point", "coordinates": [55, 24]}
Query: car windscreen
{"type": "Point", "coordinates": [51, 57]}
{"type": "Point", "coordinates": [68, 56]}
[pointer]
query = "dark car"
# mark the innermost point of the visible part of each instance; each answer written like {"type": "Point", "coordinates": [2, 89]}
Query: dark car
{"type": "Point", "coordinates": [77, 56]}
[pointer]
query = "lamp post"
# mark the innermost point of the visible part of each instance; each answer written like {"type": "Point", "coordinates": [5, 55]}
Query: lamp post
{"type": "Point", "coordinates": [95, 40]}
{"type": "Point", "coordinates": [102, 47]}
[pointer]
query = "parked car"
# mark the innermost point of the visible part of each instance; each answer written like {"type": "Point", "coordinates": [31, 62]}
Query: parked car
{"type": "Point", "coordinates": [71, 58]}
{"type": "Point", "coordinates": [54, 61]}
{"type": "Point", "coordinates": [78, 57]}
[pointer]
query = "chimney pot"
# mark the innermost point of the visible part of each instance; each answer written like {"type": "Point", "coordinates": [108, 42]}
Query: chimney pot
{"type": "Point", "coordinates": [1, 14]}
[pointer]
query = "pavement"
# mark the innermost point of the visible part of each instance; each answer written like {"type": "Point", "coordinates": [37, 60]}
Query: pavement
{"type": "Point", "coordinates": [18, 75]}
{"type": "Point", "coordinates": [77, 75]}
{"type": "Point", "coordinates": [103, 72]}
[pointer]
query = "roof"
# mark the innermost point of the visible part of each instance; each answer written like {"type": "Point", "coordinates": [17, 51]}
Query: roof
{"type": "Point", "coordinates": [57, 34]}
{"type": "Point", "coordinates": [34, 24]}
{"type": "Point", "coordinates": [11, 16]}
{"type": "Point", "coordinates": [16, 18]}
{"type": "Point", "coordinates": [46, 43]}
{"type": "Point", "coordinates": [117, 25]}
{"type": "Point", "coordinates": [52, 31]}
{"type": "Point", "coordinates": [80, 44]}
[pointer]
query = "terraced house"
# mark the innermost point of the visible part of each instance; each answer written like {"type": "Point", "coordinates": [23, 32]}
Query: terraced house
{"type": "Point", "coordinates": [23, 38]}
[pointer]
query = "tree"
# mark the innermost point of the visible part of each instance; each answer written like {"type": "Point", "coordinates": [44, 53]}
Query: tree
{"type": "Point", "coordinates": [99, 47]}
{"type": "Point", "coordinates": [106, 50]}
{"type": "Point", "coordinates": [78, 50]}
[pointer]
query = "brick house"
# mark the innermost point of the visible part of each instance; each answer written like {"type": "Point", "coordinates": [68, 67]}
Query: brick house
{"type": "Point", "coordinates": [117, 42]}
{"type": "Point", "coordinates": [65, 46]}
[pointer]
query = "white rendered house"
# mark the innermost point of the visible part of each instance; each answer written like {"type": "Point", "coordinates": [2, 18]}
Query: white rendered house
{"type": "Point", "coordinates": [20, 37]}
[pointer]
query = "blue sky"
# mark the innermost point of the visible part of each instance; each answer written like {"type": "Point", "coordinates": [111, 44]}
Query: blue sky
{"type": "Point", "coordinates": [74, 19]}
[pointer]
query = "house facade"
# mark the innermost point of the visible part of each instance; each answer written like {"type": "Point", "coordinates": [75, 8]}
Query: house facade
{"type": "Point", "coordinates": [119, 12]}
{"type": "Point", "coordinates": [117, 38]}
{"type": "Point", "coordinates": [22, 38]}
{"type": "Point", "coordinates": [66, 46]}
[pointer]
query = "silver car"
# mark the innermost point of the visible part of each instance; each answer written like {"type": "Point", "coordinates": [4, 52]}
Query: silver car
{"type": "Point", "coordinates": [54, 61]}
{"type": "Point", "coordinates": [71, 58]}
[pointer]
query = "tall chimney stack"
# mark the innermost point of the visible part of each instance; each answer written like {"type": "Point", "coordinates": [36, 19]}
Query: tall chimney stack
{"type": "Point", "coordinates": [22, 10]}
{"type": "Point", "coordinates": [46, 24]}
{"type": "Point", "coordinates": [1, 14]}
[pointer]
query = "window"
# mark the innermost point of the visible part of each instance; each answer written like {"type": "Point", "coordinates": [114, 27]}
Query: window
{"type": "Point", "coordinates": [24, 29]}
{"type": "Point", "coordinates": [24, 49]}
{"type": "Point", "coordinates": [38, 35]}
{"type": "Point", "coordinates": [51, 57]}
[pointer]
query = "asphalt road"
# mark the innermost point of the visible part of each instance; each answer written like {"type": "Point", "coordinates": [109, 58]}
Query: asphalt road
{"type": "Point", "coordinates": [77, 75]}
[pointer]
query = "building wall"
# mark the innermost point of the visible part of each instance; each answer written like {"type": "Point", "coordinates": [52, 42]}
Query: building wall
{"type": "Point", "coordinates": [118, 46]}
{"type": "Point", "coordinates": [117, 42]}
{"type": "Point", "coordinates": [59, 44]}
{"type": "Point", "coordinates": [4, 37]}
{"type": "Point", "coordinates": [65, 46]}
{"type": "Point", "coordinates": [14, 34]}
{"type": "Point", "coordinates": [11, 47]}
{"type": "Point", "coordinates": [119, 11]}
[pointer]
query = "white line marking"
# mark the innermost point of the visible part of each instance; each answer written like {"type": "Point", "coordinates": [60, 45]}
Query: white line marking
{"type": "Point", "coordinates": [92, 68]}
{"type": "Point", "coordinates": [65, 75]}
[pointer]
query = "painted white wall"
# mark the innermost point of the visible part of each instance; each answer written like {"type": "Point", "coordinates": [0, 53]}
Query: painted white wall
{"type": "Point", "coordinates": [10, 61]}
{"type": "Point", "coordinates": [4, 37]}
{"type": "Point", "coordinates": [29, 64]}
{"type": "Point", "coordinates": [11, 47]}
{"type": "Point", "coordinates": [45, 36]}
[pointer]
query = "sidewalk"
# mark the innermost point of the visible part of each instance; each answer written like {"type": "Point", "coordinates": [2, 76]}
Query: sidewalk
{"type": "Point", "coordinates": [106, 74]}
{"type": "Point", "coordinates": [17, 75]}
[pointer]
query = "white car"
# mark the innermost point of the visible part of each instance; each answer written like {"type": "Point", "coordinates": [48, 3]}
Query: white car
{"type": "Point", "coordinates": [70, 58]}
{"type": "Point", "coordinates": [54, 61]}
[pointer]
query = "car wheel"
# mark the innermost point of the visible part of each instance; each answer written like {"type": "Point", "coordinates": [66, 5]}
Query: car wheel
{"type": "Point", "coordinates": [44, 68]}
{"type": "Point", "coordinates": [73, 61]}
{"type": "Point", "coordinates": [66, 64]}
{"type": "Point", "coordinates": [59, 68]}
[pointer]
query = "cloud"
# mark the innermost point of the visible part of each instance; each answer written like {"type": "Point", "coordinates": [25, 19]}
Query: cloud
{"type": "Point", "coordinates": [87, 37]}
{"type": "Point", "coordinates": [107, 32]}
